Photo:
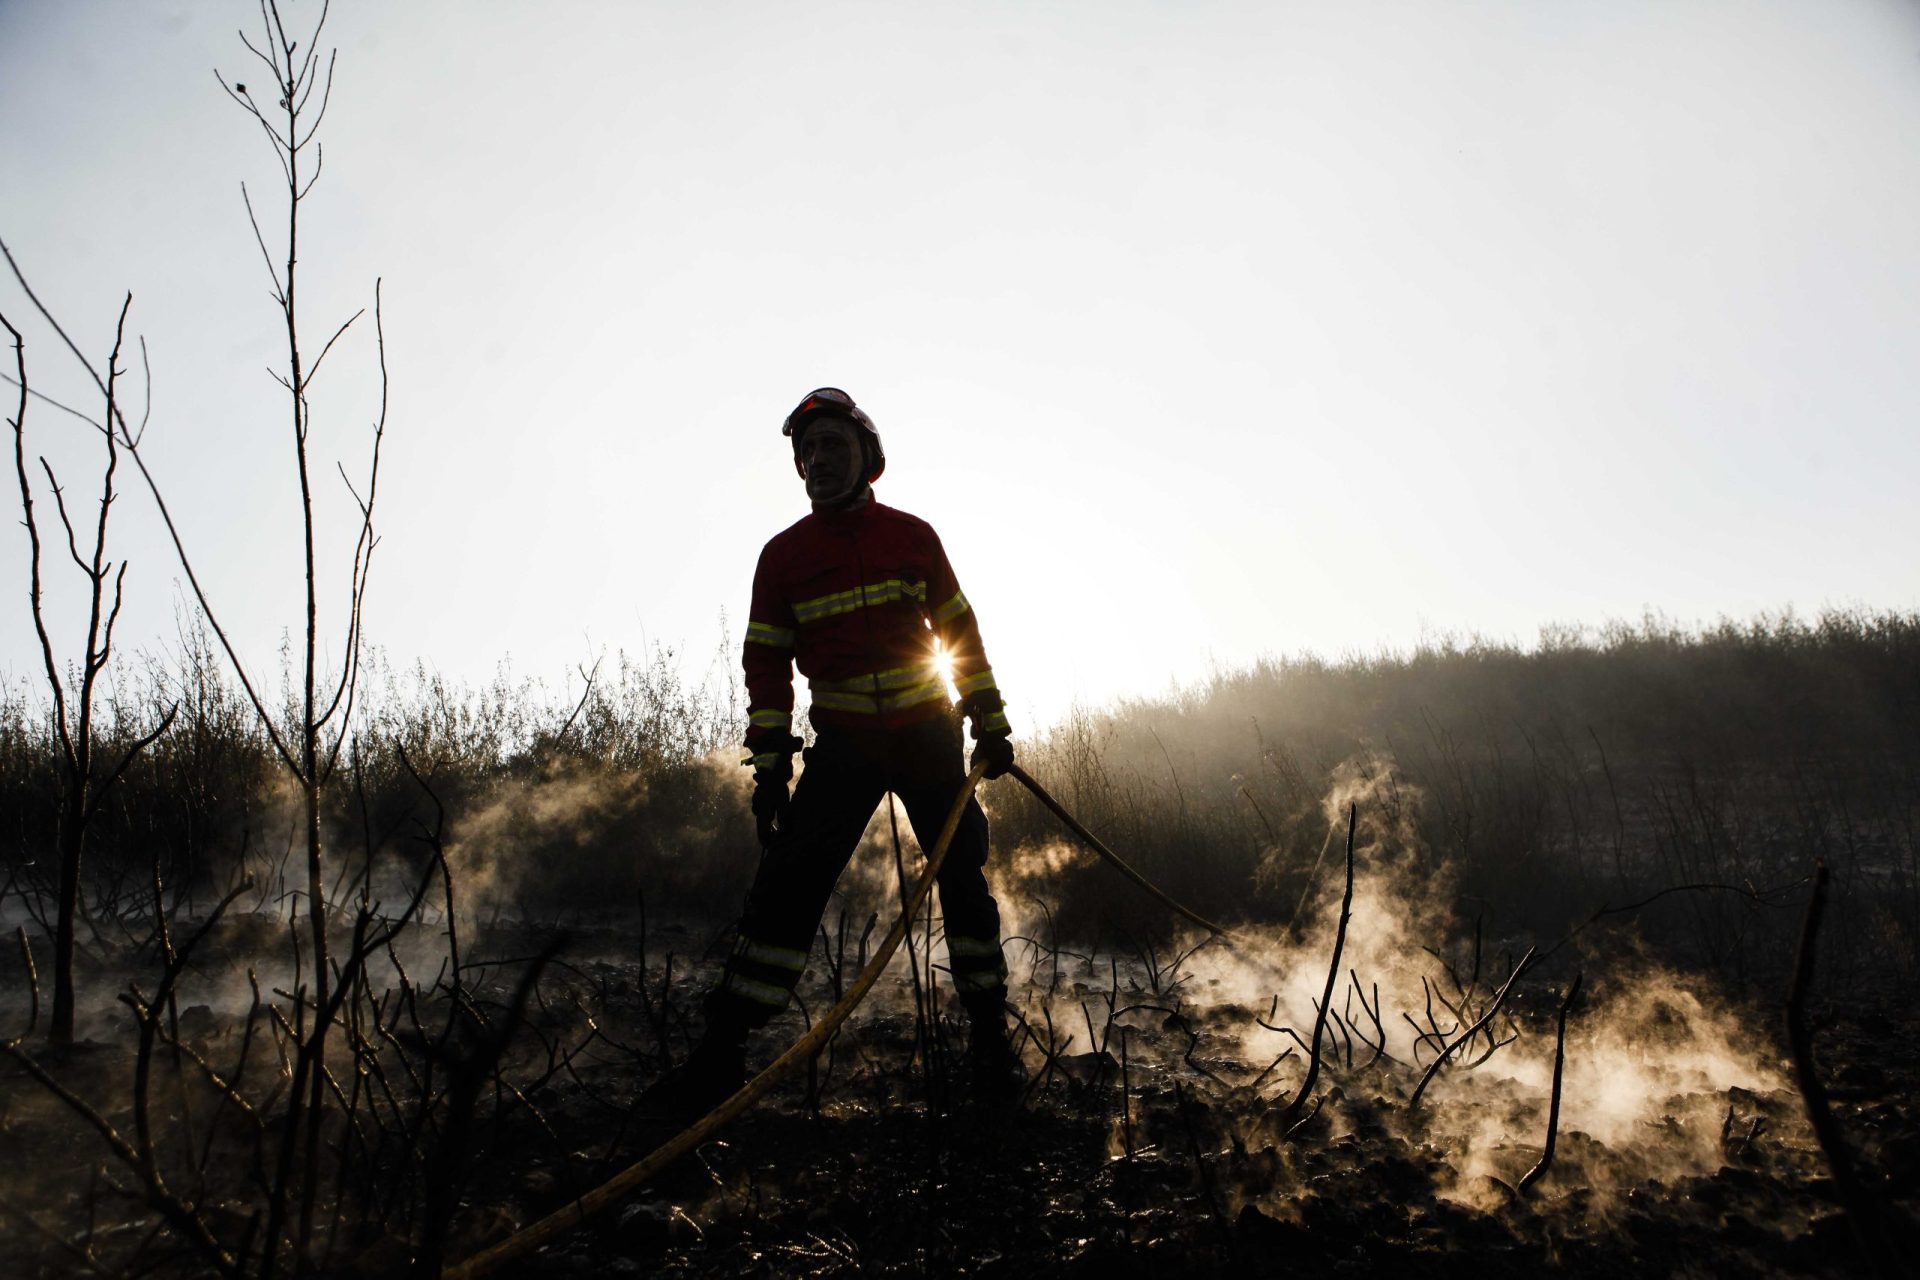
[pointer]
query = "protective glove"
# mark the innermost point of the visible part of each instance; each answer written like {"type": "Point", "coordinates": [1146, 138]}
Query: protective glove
{"type": "Point", "coordinates": [992, 739]}
{"type": "Point", "coordinates": [773, 760]}
{"type": "Point", "coordinates": [996, 749]}
{"type": "Point", "coordinates": [770, 800]}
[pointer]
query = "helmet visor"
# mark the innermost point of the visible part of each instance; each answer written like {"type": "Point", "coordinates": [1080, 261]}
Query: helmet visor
{"type": "Point", "coordinates": [826, 401]}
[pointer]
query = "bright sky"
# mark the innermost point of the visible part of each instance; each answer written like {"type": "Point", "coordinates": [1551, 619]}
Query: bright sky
{"type": "Point", "coordinates": [1199, 330]}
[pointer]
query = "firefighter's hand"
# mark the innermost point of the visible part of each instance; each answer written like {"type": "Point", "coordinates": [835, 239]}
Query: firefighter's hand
{"type": "Point", "coordinates": [996, 750]}
{"type": "Point", "coordinates": [770, 802]}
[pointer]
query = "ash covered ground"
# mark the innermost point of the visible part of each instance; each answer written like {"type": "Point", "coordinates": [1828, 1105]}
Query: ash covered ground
{"type": "Point", "coordinates": [1682, 1150]}
{"type": "Point", "coordinates": [1154, 1137]}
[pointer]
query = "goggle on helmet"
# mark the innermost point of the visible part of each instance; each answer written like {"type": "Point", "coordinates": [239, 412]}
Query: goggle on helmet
{"type": "Point", "coordinates": [832, 402]}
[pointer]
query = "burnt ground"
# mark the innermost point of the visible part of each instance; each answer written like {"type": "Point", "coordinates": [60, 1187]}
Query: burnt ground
{"type": "Point", "coordinates": [904, 1188]}
{"type": "Point", "coordinates": [1169, 1164]}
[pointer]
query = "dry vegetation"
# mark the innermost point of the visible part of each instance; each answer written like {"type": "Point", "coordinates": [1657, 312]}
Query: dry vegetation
{"type": "Point", "coordinates": [596, 847]}
{"type": "Point", "coordinates": [367, 975]}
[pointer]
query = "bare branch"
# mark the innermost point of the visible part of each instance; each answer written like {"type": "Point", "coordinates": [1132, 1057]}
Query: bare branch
{"type": "Point", "coordinates": [279, 291]}
{"type": "Point", "coordinates": [60, 505]}
{"type": "Point", "coordinates": [166, 516]}
{"type": "Point", "coordinates": [178, 1214]}
{"type": "Point", "coordinates": [363, 545]}
{"type": "Point", "coordinates": [50, 402]}
{"type": "Point", "coordinates": [314, 372]}
{"type": "Point", "coordinates": [584, 695]}
{"type": "Point", "coordinates": [99, 657]}
{"type": "Point", "coordinates": [132, 752]}
{"type": "Point", "coordinates": [1545, 1162]}
{"type": "Point", "coordinates": [66, 1246]}
{"type": "Point", "coordinates": [271, 64]}
{"type": "Point", "coordinates": [33, 983]}
{"type": "Point", "coordinates": [326, 97]}
{"type": "Point", "coordinates": [319, 162]}
{"type": "Point", "coordinates": [146, 380]}
{"type": "Point", "coordinates": [34, 590]}
{"type": "Point", "coordinates": [97, 571]}
{"type": "Point", "coordinates": [241, 96]}
{"type": "Point", "coordinates": [1499, 998]}
{"type": "Point", "coordinates": [1289, 1120]}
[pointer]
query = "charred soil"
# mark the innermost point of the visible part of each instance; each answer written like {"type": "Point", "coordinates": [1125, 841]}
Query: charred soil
{"type": "Point", "coordinates": [1149, 1140]}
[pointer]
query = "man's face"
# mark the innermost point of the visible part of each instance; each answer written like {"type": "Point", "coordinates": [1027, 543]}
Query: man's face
{"type": "Point", "coordinates": [830, 451]}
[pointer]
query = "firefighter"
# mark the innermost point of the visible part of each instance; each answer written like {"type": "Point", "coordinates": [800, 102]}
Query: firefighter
{"type": "Point", "coordinates": [856, 594]}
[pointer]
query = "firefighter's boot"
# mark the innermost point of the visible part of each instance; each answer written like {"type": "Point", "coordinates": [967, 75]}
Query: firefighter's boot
{"type": "Point", "coordinates": [713, 1073]}
{"type": "Point", "coordinates": [993, 1066]}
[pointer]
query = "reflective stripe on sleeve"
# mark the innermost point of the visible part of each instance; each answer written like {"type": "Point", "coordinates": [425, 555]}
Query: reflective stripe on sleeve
{"type": "Point", "coordinates": [992, 722]}
{"type": "Point", "coordinates": [951, 609]}
{"type": "Point", "coordinates": [771, 719]}
{"type": "Point", "coordinates": [775, 637]}
{"type": "Point", "coordinates": [976, 683]}
{"type": "Point", "coordinates": [765, 760]}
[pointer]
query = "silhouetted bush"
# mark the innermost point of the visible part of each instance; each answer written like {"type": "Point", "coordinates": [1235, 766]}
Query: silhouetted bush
{"type": "Point", "coordinates": [1598, 768]}
{"type": "Point", "coordinates": [1530, 787]}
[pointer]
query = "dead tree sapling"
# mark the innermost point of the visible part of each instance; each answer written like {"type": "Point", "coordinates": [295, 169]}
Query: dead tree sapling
{"type": "Point", "coordinates": [1545, 1162]}
{"type": "Point", "coordinates": [1290, 1118]}
{"type": "Point", "coordinates": [81, 788]}
{"type": "Point", "coordinates": [308, 741]}
{"type": "Point", "coordinates": [1866, 1214]}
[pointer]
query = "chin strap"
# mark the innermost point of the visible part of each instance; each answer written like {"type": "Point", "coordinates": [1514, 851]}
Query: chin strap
{"type": "Point", "coordinates": [857, 498]}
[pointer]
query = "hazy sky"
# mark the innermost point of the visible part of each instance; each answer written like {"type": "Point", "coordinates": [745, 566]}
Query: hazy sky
{"type": "Point", "coordinates": [1199, 330]}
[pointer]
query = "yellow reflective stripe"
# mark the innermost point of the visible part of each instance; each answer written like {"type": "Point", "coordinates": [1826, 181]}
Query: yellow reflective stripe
{"type": "Point", "coordinates": [771, 719]}
{"type": "Point", "coordinates": [767, 953]}
{"type": "Point", "coordinates": [952, 608]}
{"type": "Point", "coordinates": [914, 697]}
{"type": "Point", "coordinates": [975, 683]}
{"type": "Point", "coordinates": [867, 704]}
{"type": "Point", "coordinates": [977, 964]}
{"type": "Point", "coordinates": [765, 760]}
{"type": "Point", "coordinates": [888, 592]}
{"type": "Point", "coordinates": [758, 992]}
{"type": "Point", "coordinates": [846, 702]}
{"type": "Point", "coordinates": [898, 678]}
{"type": "Point", "coordinates": [994, 722]}
{"type": "Point", "coordinates": [762, 633]}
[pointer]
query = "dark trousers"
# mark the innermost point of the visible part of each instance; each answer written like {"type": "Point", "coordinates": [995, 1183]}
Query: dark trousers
{"type": "Point", "coordinates": [846, 776]}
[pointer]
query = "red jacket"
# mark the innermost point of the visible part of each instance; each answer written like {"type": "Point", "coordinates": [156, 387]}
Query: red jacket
{"type": "Point", "coordinates": [858, 598]}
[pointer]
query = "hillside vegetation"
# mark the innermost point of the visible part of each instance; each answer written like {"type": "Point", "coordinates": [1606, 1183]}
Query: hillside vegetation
{"type": "Point", "coordinates": [1527, 788]}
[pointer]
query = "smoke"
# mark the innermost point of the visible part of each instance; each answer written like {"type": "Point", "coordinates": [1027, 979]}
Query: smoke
{"type": "Point", "coordinates": [1026, 879]}
{"type": "Point", "coordinates": [579, 831]}
{"type": "Point", "coordinates": [539, 825]}
{"type": "Point", "coordinates": [1653, 1056]}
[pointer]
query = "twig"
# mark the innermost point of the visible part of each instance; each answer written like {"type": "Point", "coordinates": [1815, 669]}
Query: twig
{"type": "Point", "coordinates": [1500, 996]}
{"type": "Point", "coordinates": [33, 983]}
{"type": "Point", "coordinates": [1862, 1212]}
{"type": "Point", "coordinates": [1290, 1116]}
{"type": "Point", "coordinates": [1553, 1107]}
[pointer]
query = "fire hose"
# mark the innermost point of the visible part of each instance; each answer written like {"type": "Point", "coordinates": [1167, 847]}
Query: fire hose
{"type": "Point", "coordinates": [576, 1212]}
